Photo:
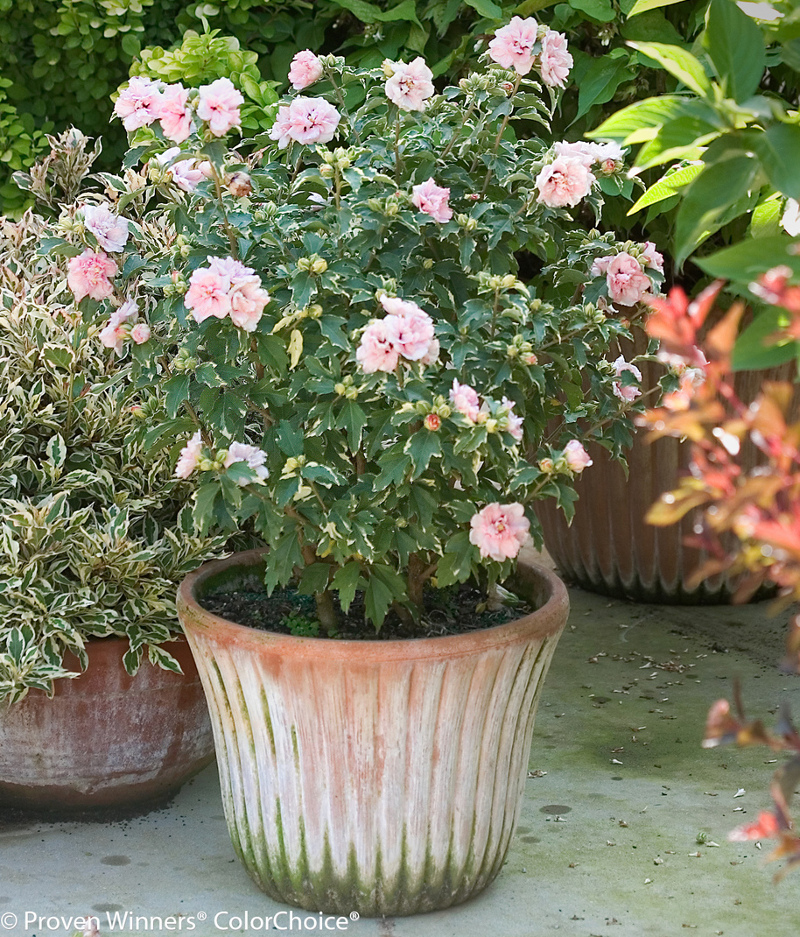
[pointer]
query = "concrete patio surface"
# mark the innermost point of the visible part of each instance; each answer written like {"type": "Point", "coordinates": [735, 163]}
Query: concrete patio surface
{"type": "Point", "coordinates": [623, 831]}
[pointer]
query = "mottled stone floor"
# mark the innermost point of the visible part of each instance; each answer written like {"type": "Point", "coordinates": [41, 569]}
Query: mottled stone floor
{"type": "Point", "coordinates": [623, 831]}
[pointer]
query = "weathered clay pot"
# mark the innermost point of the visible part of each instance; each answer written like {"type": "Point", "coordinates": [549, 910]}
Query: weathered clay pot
{"type": "Point", "coordinates": [610, 548]}
{"type": "Point", "coordinates": [383, 777]}
{"type": "Point", "coordinates": [107, 741]}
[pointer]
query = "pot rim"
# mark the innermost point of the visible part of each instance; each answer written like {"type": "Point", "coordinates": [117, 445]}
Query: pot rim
{"type": "Point", "coordinates": [545, 621]}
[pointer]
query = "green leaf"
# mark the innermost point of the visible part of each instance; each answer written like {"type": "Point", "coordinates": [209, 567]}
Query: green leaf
{"type": "Point", "coordinates": [228, 413]}
{"type": "Point", "coordinates": [59, 356]}
{"type": "Point", "coordinates": [352, 419]}
{"type": "Point", "coordinates": [132, 659]}
{"type": "Point", "coordinates": [682, 138]}
{"type": "Point", "coordinates": [57, 450]}
{"type": "Point", "coordinates": [394, 466]}
{"type": "Point", "coordinates": [750, 353]}
{"type": "Point", "coordinates": [678, 62]}
{"type": "Point", "coordinates": [59, 247]}
{"type": "Point", "coordinates": [314, 579]}
{"type": "Point", "coordinates": [600, 10]}
{"type": "Point", "coordinates": [666, 187]}
{"type": "Point", "coordinates": [177, 392]}
{"type": "Point", "coordinates": [204, 505]}
{"type": "Point", "coordinates": [347, 581]}
{"type": "Point", "coordinates": [370, 13]}
{"type": "Point", "coordinates": [15, 643]}
{"type": "Point", "coordinates": [602, 78]}
{"type": "Point", "coordinates": [641, 121]}
{"type": "Point", "coordinates": [486, 8]}
{"type": "Point", "coordinates": [383, 588]}
{"type": "Point", "coordinates": [715, 190]}
{"type": "Point", "coordinates": [422, 446]}
{"type": "Point", "coordinates": [750, 258]}
{"type": "Point", "coordinates": [642, 6]}
{"type": "Point", "coordinates": [289, 439]}
{"type": "Point", "coordinates": [163, 659]}
{"type": "Point", "coordinates": [736, 48]}
{"type": "Point", "coordinates": [456, 562]}
{"type": "Point", "coordinates": [134, 154]}
{"type": "Point", "coordinates": [778, 149]}
{"type": "Point", "coordinates": [423, 504]}
{"type": "Point", "coordinates": [766, 218]}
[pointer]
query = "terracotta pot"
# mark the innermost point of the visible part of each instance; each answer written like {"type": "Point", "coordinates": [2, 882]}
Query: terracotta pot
{"type": "Point", "coordinates": [609, 548]}
{"type": "Point", "coordinates": [106, 741]}
{"type": "Point", "coordinates": [383, 777]}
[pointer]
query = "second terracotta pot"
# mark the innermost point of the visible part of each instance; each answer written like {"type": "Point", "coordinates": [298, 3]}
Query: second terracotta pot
{"type": "Point", "coordinates": [106, 742]}
{"type": "Point", "coordinates": [383, 777]}
{"type": "Point", "coordinates": [609, 547]}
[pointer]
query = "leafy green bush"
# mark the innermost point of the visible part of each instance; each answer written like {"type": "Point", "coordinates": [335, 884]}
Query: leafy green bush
{"type": "Point", "coordinates": [92, 538]}
{"type": "Point", "coordinates": [730, 136]}
{"type": "Point", "coordinates": [363, 458]}
{"type": "Point", "coordinates": [63, 61]}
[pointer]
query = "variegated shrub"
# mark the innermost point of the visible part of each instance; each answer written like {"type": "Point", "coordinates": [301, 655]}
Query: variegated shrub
{"type": "Point", "coordinates": [92, 538]}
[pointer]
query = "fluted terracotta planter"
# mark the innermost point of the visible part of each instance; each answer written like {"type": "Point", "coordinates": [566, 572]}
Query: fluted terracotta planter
{"type": "Point", "coordinates": [383, 777]}
{"type": "Point", "coordinates": [106, 742]}
{"type": "Point", "coordinates": [610, 548]}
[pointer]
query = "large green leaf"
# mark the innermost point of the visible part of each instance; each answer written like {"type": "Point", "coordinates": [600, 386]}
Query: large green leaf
{"type": "Point", "coordinates": [779, 148]}
{"type": "Point", "coordinates": [666, 187]}
{"type": "Point", "coordinates": [766, 218]}
{"type": "Point", "coordinates": [752, 352]}
{"type": "Point", "coordinates": [600, 10]}
{"type": "Point", "coordinates": [651, 26]}
{"type": "Point", "coordinates": [486, 8]}
{"type": "Point", "coordinates": [679, 139]}
{"type": "Point", "coordinates": [643, 120]}
{"type": "Point", "coordinates": [371, 13]}
{"type": "Point", "coordinates": [642, 6]}
{"type": "Point", "coordinates": [678, 62]}
{"type": "Point", "coordinates": [749, 258]}
{"type": "Point", "coordinates": [736, 48]}
{"type": "Point", "coordinates": [714, 191]}
{"type": "Point", "coordinates": [347, 581]}
{"type": "Point", "coordinates": [601, 79]}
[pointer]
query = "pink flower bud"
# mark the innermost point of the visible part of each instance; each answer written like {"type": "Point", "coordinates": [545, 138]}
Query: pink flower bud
{"type": "Point", "coordinates": [140, 333]}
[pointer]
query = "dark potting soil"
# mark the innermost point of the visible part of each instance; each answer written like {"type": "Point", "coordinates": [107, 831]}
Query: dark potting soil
{"type": "Point", "coordinates": [455, 610]}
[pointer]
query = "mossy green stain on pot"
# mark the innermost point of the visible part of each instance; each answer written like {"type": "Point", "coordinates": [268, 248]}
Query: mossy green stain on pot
{"type": "Point", "coordinates": [268, 721]}
{"type": "Point", "coordinates": [343, 708]}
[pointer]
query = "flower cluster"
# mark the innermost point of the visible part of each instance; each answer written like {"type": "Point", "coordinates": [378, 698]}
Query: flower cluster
{"type": "Point", "coordinates": [405, 333]}
{"type": "Point", "coordinates": [121, 325]}
{"type": "Point", "coordinates": [191, 459]}
{"type": "Point", "coordinates": [627, 280]}
{"type": "Point", "coordinates": [433, 200]}
{"type": "Point", "coordinates": [187, 173]}
{"type": "Point", "coordinates": [523, 43]}
{"type": "Point", "coordinates": [494, 416]}
{"type": "Point", "coordinates": [110, 230]}
{"type": "Point", "coordinates": [90, 275]}
{"type": "Point", "coordinates": [305, 121]}
{"type": "Point", "coordinates": [225, 287]}
{"type": "Point", "coordinates": [409, 85]}
{"type": "Point", "coordinates": [144, 101]}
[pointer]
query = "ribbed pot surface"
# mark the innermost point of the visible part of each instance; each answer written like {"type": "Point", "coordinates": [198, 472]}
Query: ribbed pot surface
{"type": "Point", "coordinates": [106, 741]}
{"type": "Point", "coordinates": [610, 548]}
{"type": "Point", "coordinates": [383, 777]}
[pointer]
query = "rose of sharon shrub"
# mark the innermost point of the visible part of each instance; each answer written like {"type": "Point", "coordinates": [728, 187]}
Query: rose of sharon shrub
{"type": "Point", "coordinates": [348, 355]}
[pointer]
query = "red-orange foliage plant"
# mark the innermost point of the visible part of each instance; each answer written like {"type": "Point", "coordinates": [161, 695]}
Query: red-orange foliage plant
{"type": "Point", "coordinates": [748, 521]}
